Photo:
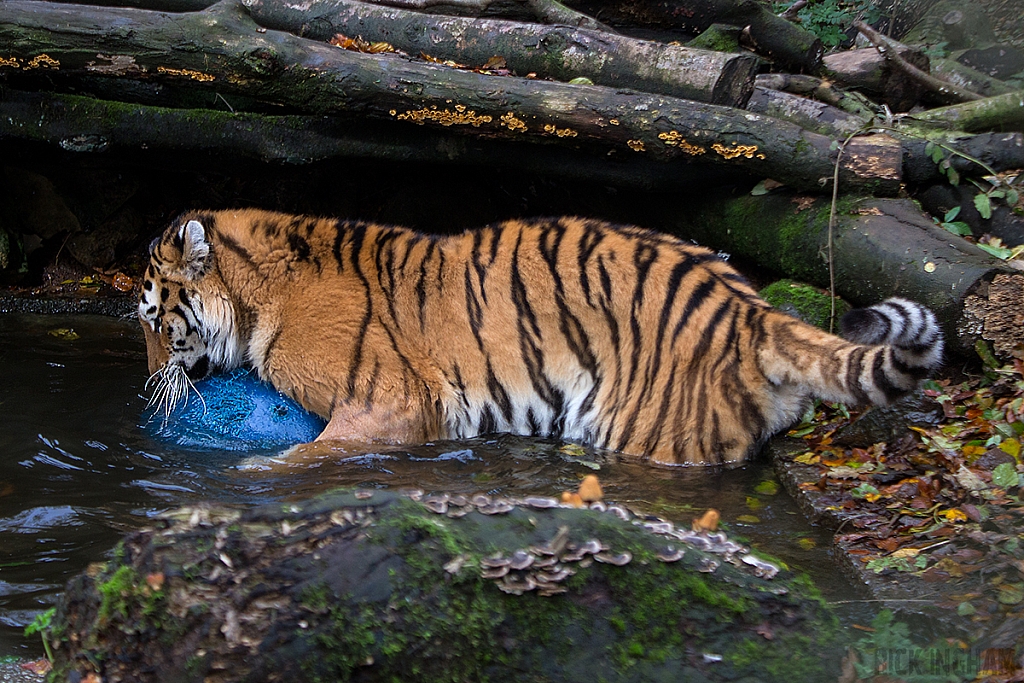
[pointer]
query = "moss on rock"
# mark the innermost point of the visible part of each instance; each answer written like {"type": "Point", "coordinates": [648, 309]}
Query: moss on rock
{"type": "Point", "coordinates": [383, 589]}
{"type": "Point", "coordinates": [810, 304]}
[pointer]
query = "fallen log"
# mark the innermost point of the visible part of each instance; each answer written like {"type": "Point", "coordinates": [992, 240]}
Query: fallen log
{"type": "Point", "coordinates": [788, 45]}
{"type": "Point", "coordinates": [868, 69]}
{"type": "Point", "coordinates": [373, 586]}
{"type": "Point", "coordinates": [225, 53]}
{"type": "Point", "coordinates": [1005, 112]}
{"type": "Point", "coordinates": [882, 248]}
{"type": "Point", "coordinates": [88, 125]}
{"type": "Point", "coordinates": [558, 52]}
{"type": "Point", "coordinates": [807, 113]}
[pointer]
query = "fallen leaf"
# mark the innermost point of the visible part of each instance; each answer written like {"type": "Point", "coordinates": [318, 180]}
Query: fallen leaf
{"type": "Point", "coordinates": [590, 489]}
{"type": "Point", "coordinates": [40, 667]}
{"type": "Point", "coordinates": [708, 521]}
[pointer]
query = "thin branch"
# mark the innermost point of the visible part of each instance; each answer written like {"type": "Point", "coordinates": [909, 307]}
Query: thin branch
{"type": "Point", "coordinates": [888, 48]}
{"type": "Point", "coordinates": [554, 12]}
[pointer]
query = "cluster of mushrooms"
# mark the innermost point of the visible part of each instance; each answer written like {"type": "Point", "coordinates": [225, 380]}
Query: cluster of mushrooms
{"type": "Point", "coordinates": [543, 568]}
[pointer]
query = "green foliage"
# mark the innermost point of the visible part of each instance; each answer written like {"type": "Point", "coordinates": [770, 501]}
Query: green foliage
{"type": "Point", "coordinates": [949, 223]}
{"type": "Point", "coordinates": [41, 625]}
{"type": "Point", "coordinates": [830, 19]}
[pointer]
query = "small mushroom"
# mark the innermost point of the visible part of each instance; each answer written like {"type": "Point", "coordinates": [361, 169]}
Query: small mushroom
{"type": "Point", "coordinates": [496, 507]}
{"type": "Point", "coordinates": [436, 505]}
{"type": "Point", "coordinates": [515, 586]}
{"type": "Point", "coordinates": [521, 560]}
{"type": "Point", "coordinates": [707, 565]}
{"type": "Point", "coordinates": [455, 564]}
{"type": "Point", "coordinates": [544, 562]}
{"type": "Point", "coordinates": [670, 554]}
{"type": "Point", "coordinates": [363, 494]}
{"type": "Point", "coordinates": [551, 589]}
{"type": "Point", "coordinates": [458, 501]}
{"type": "Point", "coordinates": [762, 569]}
{"type": "Point", "coordinates": [620, 560]}
{"type": "Point", "coordinates": [598, 506]}
{"type": "Point", "coordinates": [494, 572]}
{"type": "Point", "coordinates": [619, 511]}
{"type": "Point", "coordinates": [540, 502]}
{"type": "Point", "coordinates": [495, 561]}
{"type": "Point", "coordinates": [480, 500]}
{"type": "Point", "coordinates": [412, 494]}
{"type": "Point", "coordinates": [554, 576]}
{"type": "Point", "coordinates": [660, 527]}
{"type": "Point", "coordinates": [590, 489]}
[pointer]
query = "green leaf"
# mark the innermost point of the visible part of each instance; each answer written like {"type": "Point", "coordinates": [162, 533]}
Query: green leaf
{"type": "Point", "coordinates": [581, 80]}
{"type": "Point", "coordinates": [960, 228]}
{"type": "Point", "coordinates": [1012, 197]}
{"type": "Point", "coordinates": [953, 176]}
{"type": "Point", "coordinates": [759, 189]}
{"type": "Point", "coordinates": [937, 154]}
{"type": "Point", "coordinates": [951, 214]}
{"type": "Point", "coordinates": [998, 252]}
{"type": "Point", "coordinates": [983, 204]}
{"type": "Point", "coordinates": [1005, 476]}
{"type": "Point", "coordinates": [929, 148]}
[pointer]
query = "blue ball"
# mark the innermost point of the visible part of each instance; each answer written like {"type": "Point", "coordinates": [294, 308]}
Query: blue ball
{"type": "Point", "coordinates": [238, 412]}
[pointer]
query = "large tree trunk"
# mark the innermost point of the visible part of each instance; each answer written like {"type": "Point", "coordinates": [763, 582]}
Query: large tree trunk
{"type": "Point", "coordinates": [381, 588]}
{"type": "Point", "coordinates": [222, 51]}
{"type": "Point", "coordinates": [559, 52]}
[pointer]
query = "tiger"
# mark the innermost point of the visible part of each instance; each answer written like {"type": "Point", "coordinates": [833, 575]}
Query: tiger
{"type": "Point", "coordinates": [611, 336]}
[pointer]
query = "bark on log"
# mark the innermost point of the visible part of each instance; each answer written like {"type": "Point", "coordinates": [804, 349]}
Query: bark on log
{"type": "Point", "coordinates": [812, 86]}
{"type": "Point", "coordinates": [1002, 112]}
{"type": "Point", "coordinates": [558, 52]}
{"type": "Point", "coordinates": [383, 588]}
{"type": "Point", "coordinates": [785, 43]}
{"type": "Point", "coordinates": [882, 248]}
{"type": "Point", "coordinates": [805, 112]}
{"type": "Point", "coordinates": [1000, 151]}
{"type": "Point", "coordinates": [221, 50]}
{"type": "Point", "coordinates": [88, 125]}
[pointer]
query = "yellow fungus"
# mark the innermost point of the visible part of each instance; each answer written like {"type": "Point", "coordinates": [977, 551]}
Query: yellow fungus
{"type": "Point", "coordinates": [445, 117]}
{"type": "Point", "coordinates": [187, 73]}
{"type": "Point", "coordinates": [510, 121]}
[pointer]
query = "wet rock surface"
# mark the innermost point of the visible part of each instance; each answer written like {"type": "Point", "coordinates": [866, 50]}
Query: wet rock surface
{"type": "Point", "coordinates": [367, 585]}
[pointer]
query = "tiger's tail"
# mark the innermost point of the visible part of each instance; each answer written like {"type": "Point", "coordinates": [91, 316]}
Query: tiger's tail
{"type": "Point", "coordinates": [886, 350]}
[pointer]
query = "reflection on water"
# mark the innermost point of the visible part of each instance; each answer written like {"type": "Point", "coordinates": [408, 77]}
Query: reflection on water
{"type": "Point", "coordinates": [77, 470]}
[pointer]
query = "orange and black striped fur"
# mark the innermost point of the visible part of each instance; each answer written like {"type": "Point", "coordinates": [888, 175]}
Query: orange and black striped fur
{"type": "Point", "coordinates": [607, 335]}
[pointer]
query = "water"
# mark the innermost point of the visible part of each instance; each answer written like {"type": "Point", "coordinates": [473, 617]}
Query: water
{"type": "Point", "coordinates": [78, 470]}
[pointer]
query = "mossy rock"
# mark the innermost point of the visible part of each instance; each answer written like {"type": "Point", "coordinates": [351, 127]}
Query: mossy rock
{"type": "Point", "coordinates": [383, 588]}
{"type": "Point", "coordinates": [810, 304]}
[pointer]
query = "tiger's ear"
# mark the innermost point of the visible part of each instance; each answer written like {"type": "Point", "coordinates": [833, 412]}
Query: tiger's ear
{"type": "Point", "coordinates": [195, 249]}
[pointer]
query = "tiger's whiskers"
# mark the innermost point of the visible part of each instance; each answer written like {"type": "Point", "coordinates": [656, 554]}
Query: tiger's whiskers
{"type": "Point", "coordinates": [172, 385]}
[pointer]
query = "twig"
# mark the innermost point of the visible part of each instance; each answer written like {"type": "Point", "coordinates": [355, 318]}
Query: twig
{"type": "Point", "coordinates": [831, 230]}
{"type": "Point", "coordinates": [790, 13]}
{"type": "Point", "coordinates": [423, 4]}
{"type": "Point", "coordinates": [554, 12]}
{"type": "Point", "coordinates": [888, 49]}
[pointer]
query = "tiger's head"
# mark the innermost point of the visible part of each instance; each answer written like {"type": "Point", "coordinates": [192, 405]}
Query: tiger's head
{"type": "Point", "coordinates": [186, 313]}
